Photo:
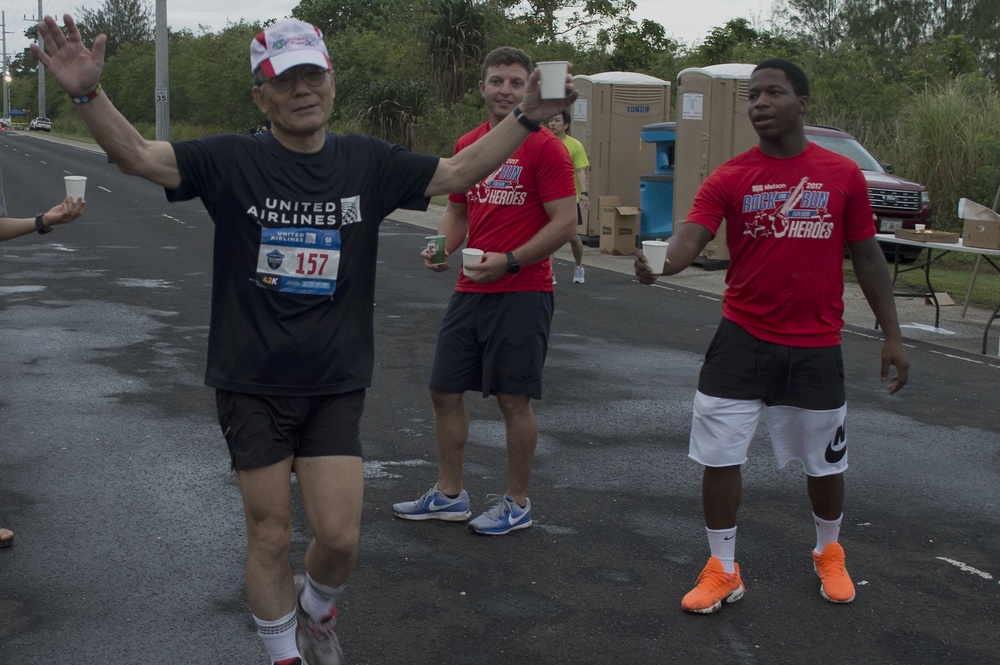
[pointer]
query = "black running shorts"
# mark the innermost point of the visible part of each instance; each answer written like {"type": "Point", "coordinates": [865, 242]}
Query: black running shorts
{"type": "Point", "coordinates": [262, 430]}
{"type": "Point", "coordinates": [493, 343]}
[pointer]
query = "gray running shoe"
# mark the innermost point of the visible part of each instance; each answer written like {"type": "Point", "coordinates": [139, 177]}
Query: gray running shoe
{"type": "Point", "coordinates": [434, 505]}
{"type": "Point", "coordinates": [317, 640]}
{"type": "Point", "coordinates": [505, 516]}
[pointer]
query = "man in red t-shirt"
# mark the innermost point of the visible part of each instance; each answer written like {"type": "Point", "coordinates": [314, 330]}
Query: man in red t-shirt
{"type": "Point", "coordinates": [789, 207]}
{"type": "Point", "coordinates": [494, 335]}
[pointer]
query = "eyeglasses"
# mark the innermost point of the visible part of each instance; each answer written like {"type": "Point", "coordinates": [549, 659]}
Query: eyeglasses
{"type": "Point", "coordinates": [314, 78]}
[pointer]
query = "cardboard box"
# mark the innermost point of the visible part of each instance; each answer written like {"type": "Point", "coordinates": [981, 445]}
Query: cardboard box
{"type": "Point", "coordinates": [968, 209]}
{"type": "Point", "coordinates": [981, 233]}
{"type": "Point", "coordinates": [619, 226]}
{"type": "Point", "coordinates": [981, 225]}
{"type": "Point", "coordinates": [928, 235]}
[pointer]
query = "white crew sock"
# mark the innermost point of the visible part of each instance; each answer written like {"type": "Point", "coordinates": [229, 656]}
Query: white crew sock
{"type": "Point", "coordinates": [722, 543]}
{"type": "Point", "coordinates": [318, 599]}
{"type": "Point", "coordinates": [279, 637]}
{"type": "Point", "coordinates": [827, 531]}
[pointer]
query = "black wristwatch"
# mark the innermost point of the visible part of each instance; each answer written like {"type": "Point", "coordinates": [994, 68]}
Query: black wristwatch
{"type": "Point", "coordinates": [512, 265]}
{"type": "Point", "coordinates": [525, 121]}
{"type": "Point", "coordinates": [42, 229]}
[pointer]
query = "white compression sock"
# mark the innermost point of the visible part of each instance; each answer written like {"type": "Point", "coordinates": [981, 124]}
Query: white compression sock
{"type": "Point", "coordinates": [318, 599]}
{"type": "Point", "coordinates": [279, 637]}
{"type": "Point", "coordinates": [722, 543]}
{"type": "Point", "coordinates": [827, 531]}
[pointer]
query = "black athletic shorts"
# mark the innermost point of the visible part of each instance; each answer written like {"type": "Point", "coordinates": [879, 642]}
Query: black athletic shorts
{"type": "Point", "coordinates": [494, 343]}
{"type": "Point", "coordinates": [261, 430]}
{"type": "Point", "coordinates": [740, 366]}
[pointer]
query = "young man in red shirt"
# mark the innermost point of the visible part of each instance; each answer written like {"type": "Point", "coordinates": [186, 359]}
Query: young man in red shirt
{"type": "Point", "coordinates": [789, 206]}
{"type": "Point", "coordinates": [494, 335]}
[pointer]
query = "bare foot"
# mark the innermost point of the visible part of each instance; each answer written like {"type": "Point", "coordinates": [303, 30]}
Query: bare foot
{"type": "Point", "coordinates": [6, 538]}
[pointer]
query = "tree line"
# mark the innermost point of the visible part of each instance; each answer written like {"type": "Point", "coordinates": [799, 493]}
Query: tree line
{"type": "Point", "coordinates": [915, 80]}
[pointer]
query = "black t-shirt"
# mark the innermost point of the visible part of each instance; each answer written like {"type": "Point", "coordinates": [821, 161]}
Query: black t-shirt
{"type": "Point", "coordinates": [296, 243]}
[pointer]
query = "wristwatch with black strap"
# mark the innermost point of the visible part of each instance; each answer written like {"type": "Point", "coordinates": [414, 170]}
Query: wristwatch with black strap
{"type": "Point", "coordinates": [40, 225]}
{"type": "Point", "coordinates": [525, 121]}
{"type": "Point", "coordinates": [512, 265]}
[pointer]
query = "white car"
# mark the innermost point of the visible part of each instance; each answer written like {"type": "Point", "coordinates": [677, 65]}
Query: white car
{"type": "Point", "coordinates": [40, 124]}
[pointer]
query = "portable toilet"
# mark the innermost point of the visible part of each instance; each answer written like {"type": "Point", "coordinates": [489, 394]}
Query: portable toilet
{"type": "Point", "coordinates": [712, 127]}
{"type": "Point", "coordinates": [607, 119]}
{"type": "Point", "coordinates": [656, 190]}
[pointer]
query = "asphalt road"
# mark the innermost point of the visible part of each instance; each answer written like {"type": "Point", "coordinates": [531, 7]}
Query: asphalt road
{"type": "Point", "coordinates": [129, 546]}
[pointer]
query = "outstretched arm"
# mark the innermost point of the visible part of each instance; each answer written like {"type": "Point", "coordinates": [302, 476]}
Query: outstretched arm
{"type": "Point", "coordinates": [873, 276]}
{"type": "Point", "coordinates": [470, 165]}
{"type": "Point", "coordinates": [64, 213]}
{"type": "Point", "coordinates": [683, 248]}
{"type": "Point", "coordinates": [78, 72]}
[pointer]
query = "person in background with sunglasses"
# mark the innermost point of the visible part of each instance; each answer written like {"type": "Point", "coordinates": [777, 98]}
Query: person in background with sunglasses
{"type": "Point", "coordinates": [291, 342]}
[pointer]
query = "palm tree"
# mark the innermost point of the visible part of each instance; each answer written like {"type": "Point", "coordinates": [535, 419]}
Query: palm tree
{"type": "Point", "coordinates": [455, 34]}
{"type": "Point", "coordinates": [390, 110]}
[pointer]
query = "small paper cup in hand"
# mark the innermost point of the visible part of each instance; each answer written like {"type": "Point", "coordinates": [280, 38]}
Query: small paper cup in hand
{"type": "Point", "coordinates": [656, 254]}
{"type": "Point", "coordinates": [76, 187]}
{"type": "Point", "coordinates": [436, 245]}
{"type": "Point", "coordinates": [471, 257]}
{"type": "Point", "coordinates": [553, 82]}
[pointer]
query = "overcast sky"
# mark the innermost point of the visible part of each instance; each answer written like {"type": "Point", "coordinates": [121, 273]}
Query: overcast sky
{"type": "Point", "coordinates": [686, 21]}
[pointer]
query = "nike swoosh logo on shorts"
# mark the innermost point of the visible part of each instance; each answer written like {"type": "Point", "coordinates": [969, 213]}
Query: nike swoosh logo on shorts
{"type": "Point", "coordinates": [836, 449]}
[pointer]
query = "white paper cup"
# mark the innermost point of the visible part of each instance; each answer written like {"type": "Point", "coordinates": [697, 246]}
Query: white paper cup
{"type": "Point", "coordinates": [471, 257]}
{"type": "Point", "coordinates": [553, 81]}
{"type": "Point", "coordinates": [919, 227]}
{"type": "Point", "coordinates": [76, 187]}
{"type": "Point", "coordinates": [656, 254]}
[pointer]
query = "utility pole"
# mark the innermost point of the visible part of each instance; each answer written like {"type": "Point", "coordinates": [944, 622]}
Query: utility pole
{"type": "Point", "coordinates": [41, 67]}
{"type": "Point", "coordinates": [6, 66]}
{"type": "Point", "coordinates": [162, 74]}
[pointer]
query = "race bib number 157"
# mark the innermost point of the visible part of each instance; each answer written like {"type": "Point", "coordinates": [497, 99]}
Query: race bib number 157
{"type": "Point", "coordinates": [299, 260]}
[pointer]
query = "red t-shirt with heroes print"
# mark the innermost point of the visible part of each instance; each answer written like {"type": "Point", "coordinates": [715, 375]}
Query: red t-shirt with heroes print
{"type": "Point", "coordinates": [786, 223]}
{"type": "Point", "coordinates": [506, 210]}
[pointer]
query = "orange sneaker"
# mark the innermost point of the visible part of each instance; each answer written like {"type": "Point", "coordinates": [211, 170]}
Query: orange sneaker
{"type": "Point", "coordinates": [714, 587]}
{"type": "Point", "coordinates": [835, 584]}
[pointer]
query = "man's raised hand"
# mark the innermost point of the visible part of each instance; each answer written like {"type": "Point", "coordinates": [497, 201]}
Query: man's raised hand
{"type": "Point", "coordinates": [74, 68]}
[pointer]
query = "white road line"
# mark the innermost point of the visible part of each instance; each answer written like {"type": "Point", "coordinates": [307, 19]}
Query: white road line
{"type": "Point", "coordinates": [974, 361]}
{"type": "Point", "coordinates": [966, 568]}
{"type": "Point", "coordinates": [968, 360]}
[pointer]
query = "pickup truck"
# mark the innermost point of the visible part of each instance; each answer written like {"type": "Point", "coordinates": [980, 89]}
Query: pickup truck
{"type": "Point", "coordinates": [898, 203]}
{"type": "Point", "coordinates": [40, 125]}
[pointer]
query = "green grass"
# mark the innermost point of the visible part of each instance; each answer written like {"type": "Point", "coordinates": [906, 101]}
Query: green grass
{"type": "Point", "coordinates": [951, 275]}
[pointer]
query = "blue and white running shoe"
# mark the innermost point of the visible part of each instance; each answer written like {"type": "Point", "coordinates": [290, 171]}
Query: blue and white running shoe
{"type": "Point", "coordinates": [435, 506]}
{"type": "Point", "coordinates": [505, 516]}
